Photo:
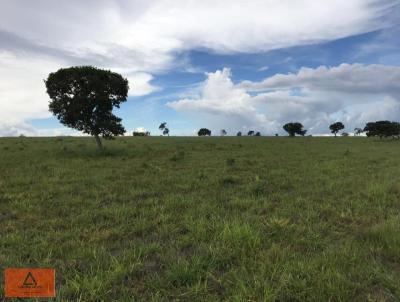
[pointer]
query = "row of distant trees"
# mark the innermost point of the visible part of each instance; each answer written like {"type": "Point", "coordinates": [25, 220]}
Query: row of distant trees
{"type": "Point", "coordinates": [249, 133]}
{"type": "Point", "coordinates": [83, 98]}
{"type": "Point", "coordinates": [293, 129]}
{"type": "Point", "coordinates": [379, 129]}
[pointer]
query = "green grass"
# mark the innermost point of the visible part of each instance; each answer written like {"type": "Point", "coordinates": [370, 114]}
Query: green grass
{"type": "Point", "coordinates": [205, 219]}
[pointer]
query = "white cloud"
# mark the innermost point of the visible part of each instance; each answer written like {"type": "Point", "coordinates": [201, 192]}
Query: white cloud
{"type": "Point", "coordinates": [142, 38]}
{"type": "Point", "coordinates": [221, 99]}
{"type": "Point", "coordinates": [355, 78]}
{"type": "Point", "coordinates": [317, 97]}
{"type": "Point", "coordinates": [145, 35]}
{"type": "Point", "coordinates": [22, 91]}
{"type": "Point", "coordinates": [263, 68]}
{"type": "Point", "coordinates": [141, 84]}
{"type": "Point", "coordinates": [166, 25]}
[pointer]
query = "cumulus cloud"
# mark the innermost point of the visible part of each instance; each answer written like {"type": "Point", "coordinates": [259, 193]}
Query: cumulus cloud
{"type": "Point", "coordinates": [355, 78]}
{"type": "Point", "coordinates": [142, 38]}
{"type": "Point", "coordinates": [222, 101]}
{"type": "Point", "coordinates": [22, 91]}
{"type": "Point", "coordinates": [316, 97]}
{"type": "Point", "coordinates": [141, 84]}
{"type": "Point", "coordinates": [166, 25]}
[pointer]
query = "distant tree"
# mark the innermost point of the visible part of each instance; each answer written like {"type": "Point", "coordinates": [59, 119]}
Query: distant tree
{"type": "Point", "coordinates": [294, 128]}
{"type": "Point", "coordinates": [135, 133]}
{"type": "Point", "coordinates": [345, 134]}
{"type": "Point", "coordinates": [250, 133]}
{"type": "Point", "coordinates": [382, 129]}
{"type": "Point", "coordinates": [358, 131]}
{"type": "Point", "coordinates": [336, 127]}
{"type": "Point", "coordinates": [140, 132]}
{"type": "Point", "coordinates": [258, 134]}
{"type": "Point", "coordinates": [83, 98]}
{"type": "Point", "coordinates": [276, 134]}
{"type": "Point", "coordinates": [223, 132]}
{"type": "Point", "coordinates": [163, 127]}
{"type": "Point", "coordinates": [204, 132]}
{"type": "Point", "coordinates": [239, 133]}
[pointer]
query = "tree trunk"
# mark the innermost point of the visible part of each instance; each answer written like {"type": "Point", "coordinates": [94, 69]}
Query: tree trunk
{"type": "Point", "coordinates": [98, 142]}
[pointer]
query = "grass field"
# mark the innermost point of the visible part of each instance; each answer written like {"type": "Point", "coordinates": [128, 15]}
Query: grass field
{"type": "Point", "coordinates": [205, 219]}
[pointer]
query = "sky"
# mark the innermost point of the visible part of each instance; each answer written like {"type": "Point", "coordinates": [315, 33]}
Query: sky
{"type": "Point", "coordinates": [221, 64]}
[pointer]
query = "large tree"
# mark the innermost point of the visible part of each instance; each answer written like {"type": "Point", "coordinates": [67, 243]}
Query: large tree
{"type": "Point", "coordinates": [83, 98]}
{"type": "Point", "coordinates": [382, 129]}
{"type": "Point", "coordinates": [204, 132]}
{"type": "Point", "coordinates": [336, 127]}
{"type": "Point", "coordinates": [294, 128]}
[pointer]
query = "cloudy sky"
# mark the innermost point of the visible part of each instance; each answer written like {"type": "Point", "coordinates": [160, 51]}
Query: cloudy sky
{"type": "Point", "coordinates": [232, 64]}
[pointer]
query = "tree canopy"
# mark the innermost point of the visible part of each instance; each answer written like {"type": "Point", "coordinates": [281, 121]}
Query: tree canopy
{"type": "Point", "coordinates": [163, 127]}
{"type": "Point", "coordinates": [382, 129]}
{"type": "Point", "coordinates": [83, 98]}
{"type": "Point", "coordinates": [204, 132]}
{"type": "Point", "coordinates": [294, 128]}
{"type": "Point", "coordinates": [336, 127]}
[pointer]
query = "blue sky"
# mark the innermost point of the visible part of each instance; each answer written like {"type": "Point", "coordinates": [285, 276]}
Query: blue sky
{"type": "Point", "coordinates": [149, 111]}
{"type": "Point", "coordinates": [209, 66]}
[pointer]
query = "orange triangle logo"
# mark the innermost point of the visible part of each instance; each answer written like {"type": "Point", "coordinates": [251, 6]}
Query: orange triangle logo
{"type": "Point", "coordinates": [29, 281]}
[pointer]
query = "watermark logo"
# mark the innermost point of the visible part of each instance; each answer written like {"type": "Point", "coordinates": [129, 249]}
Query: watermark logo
{"type": "Point", "coordinates": [29, 282]}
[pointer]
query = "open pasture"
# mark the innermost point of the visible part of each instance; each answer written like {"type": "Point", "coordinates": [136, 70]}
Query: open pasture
{"type": "Point", "coordinates": [205, 219]}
